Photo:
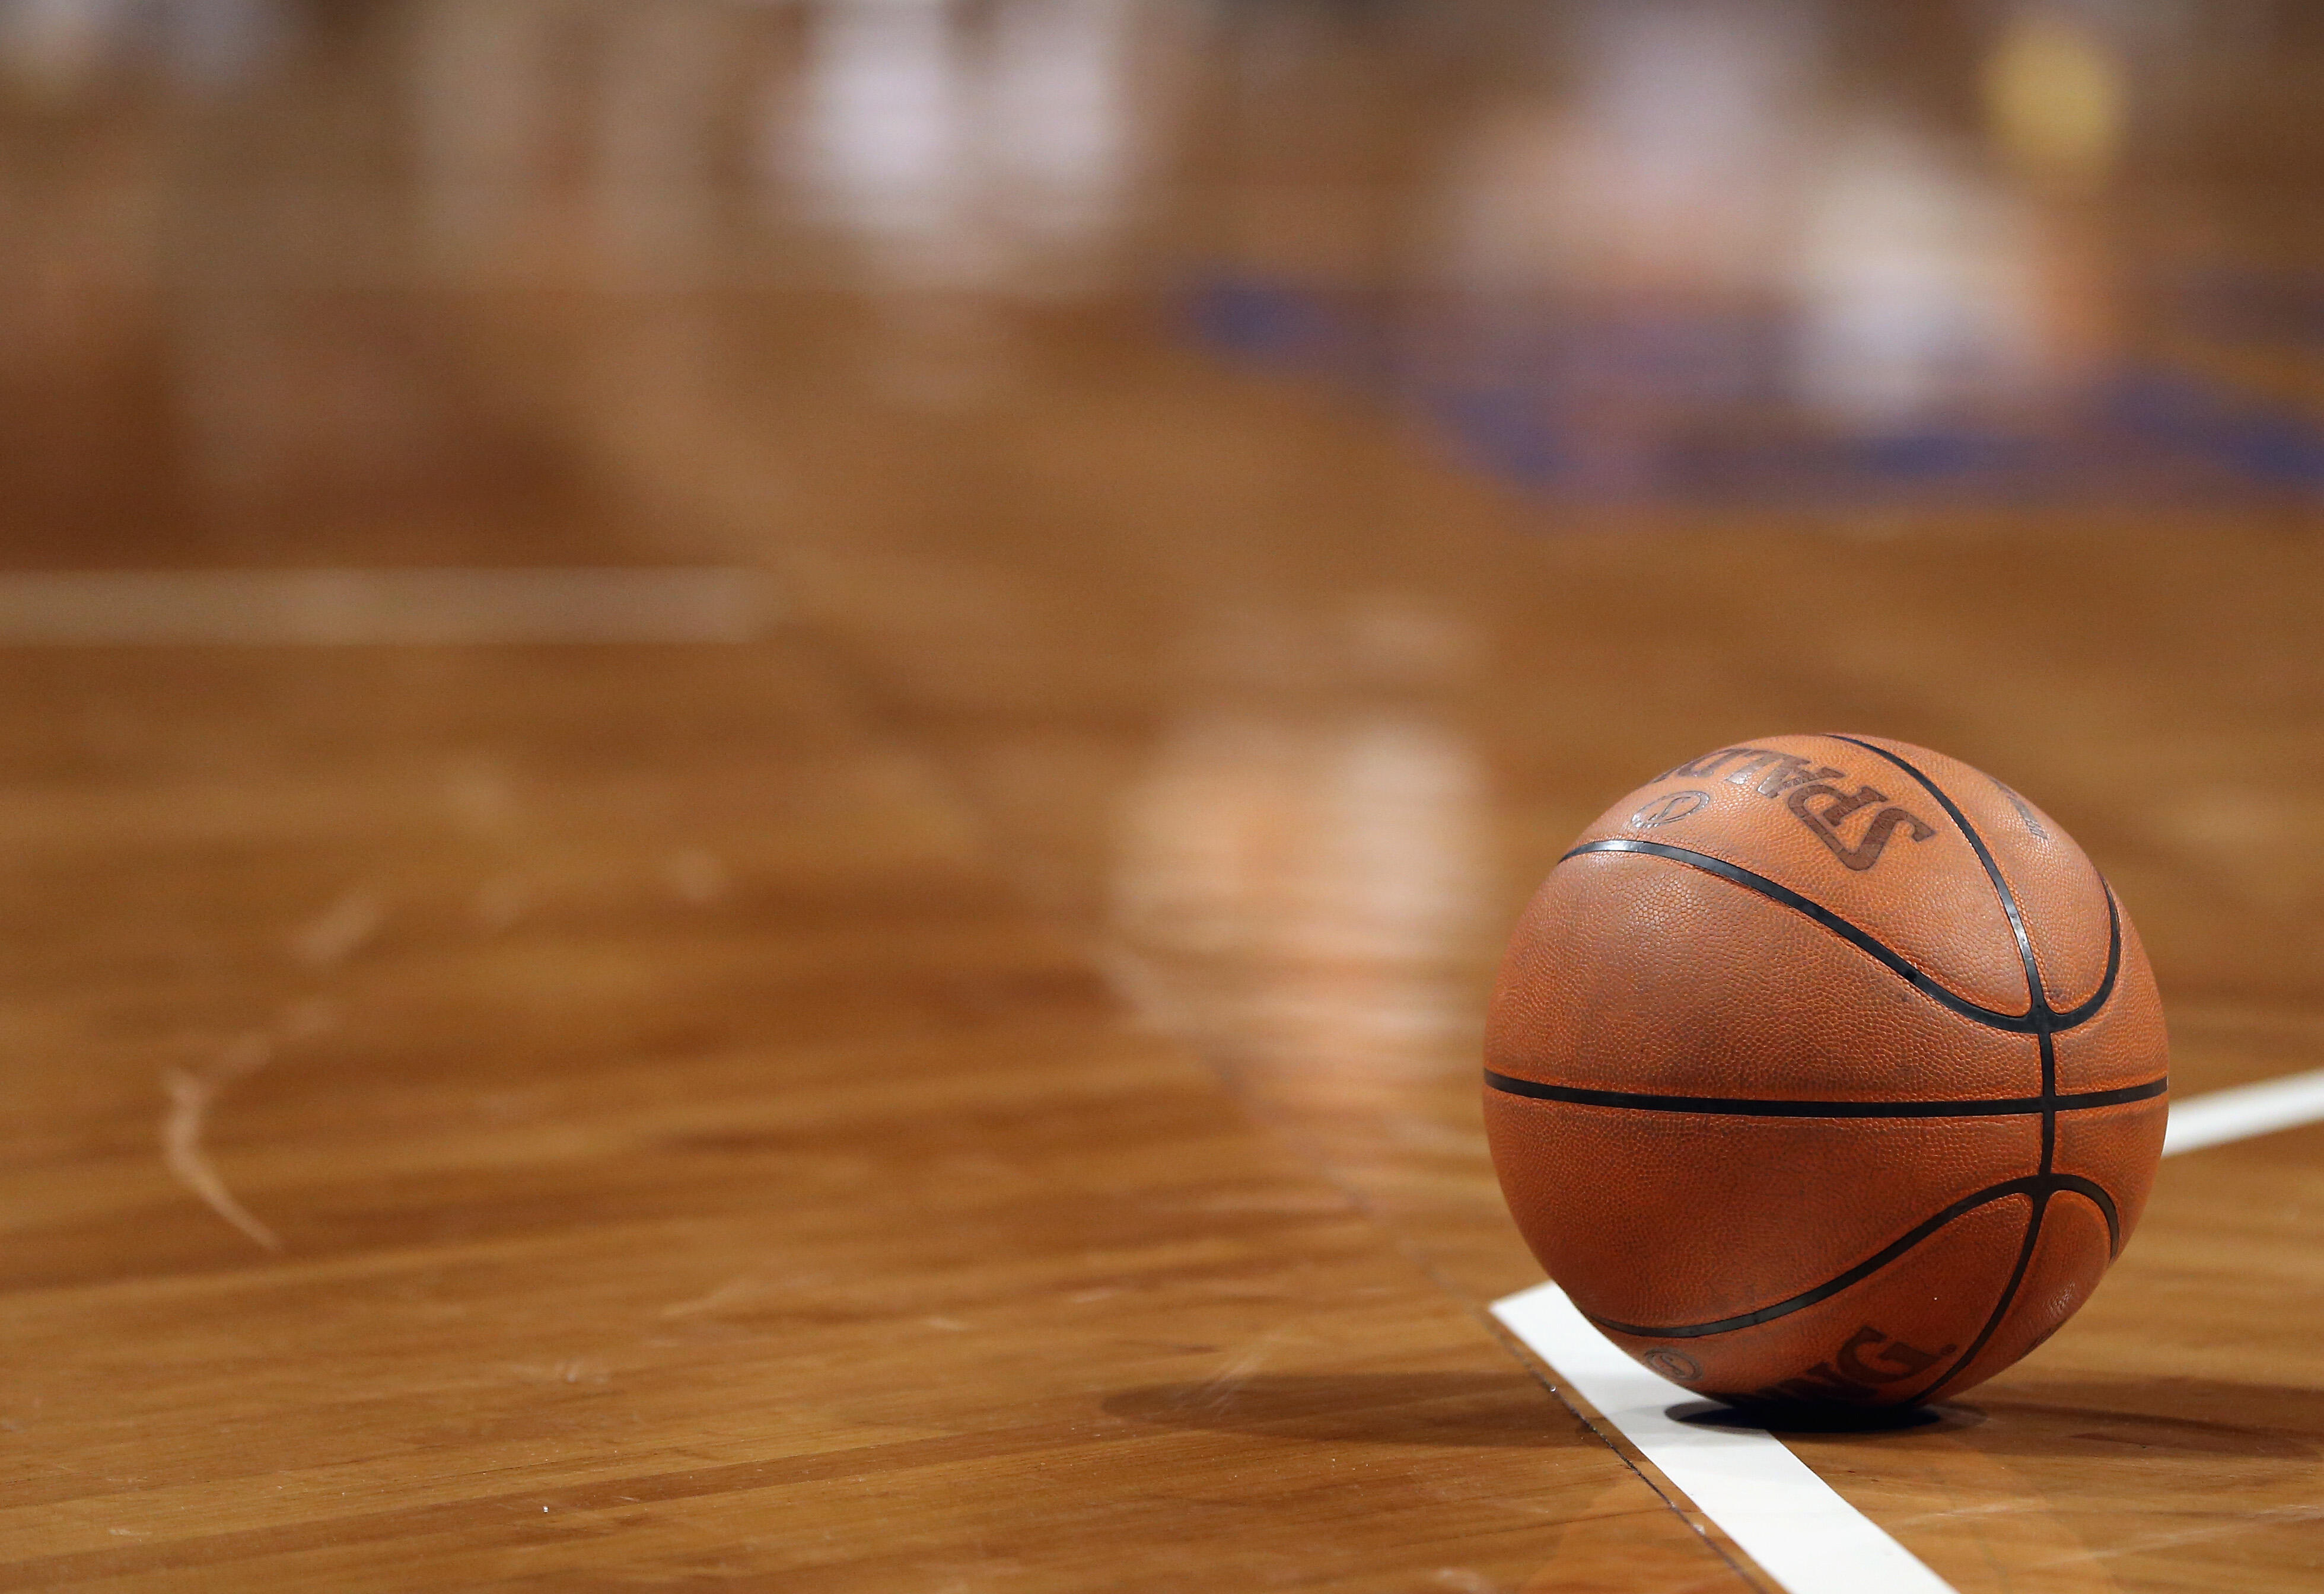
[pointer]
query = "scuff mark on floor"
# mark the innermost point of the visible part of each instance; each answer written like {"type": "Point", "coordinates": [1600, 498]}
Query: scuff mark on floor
{"type": "Point", "coordinates": [1219, 1390]}
{"type": "Point", "coordinates": [334, 935]}
{"type": "Point", "coordinates": [731, 1293]}
{"type": "Point", "coordinates": [192, 1092]}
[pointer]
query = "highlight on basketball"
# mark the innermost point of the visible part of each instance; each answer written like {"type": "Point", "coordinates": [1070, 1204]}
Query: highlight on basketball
{"type": "Point", "coordinates": [772, 771]}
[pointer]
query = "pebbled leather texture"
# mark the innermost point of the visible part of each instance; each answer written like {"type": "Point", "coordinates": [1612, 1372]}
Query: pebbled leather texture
{"type": "Point", "coordinates": [1825, 1070]}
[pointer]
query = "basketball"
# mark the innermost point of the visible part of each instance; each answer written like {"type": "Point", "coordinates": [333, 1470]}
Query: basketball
{"type": "Point", "coordinates": [1825, 1070]}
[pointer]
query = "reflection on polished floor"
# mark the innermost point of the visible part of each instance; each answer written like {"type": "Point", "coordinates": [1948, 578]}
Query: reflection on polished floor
{"type": "Point", "coordinates": [961, 1074]}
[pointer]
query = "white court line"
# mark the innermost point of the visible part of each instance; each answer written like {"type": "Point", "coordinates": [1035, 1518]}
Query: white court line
{"type": "Point", "coordinates": [2217, 1117]}
{"type": "Point", "coordinates": [1762, 1496]}
{"type": "Point", "coordinates": [339, 608]}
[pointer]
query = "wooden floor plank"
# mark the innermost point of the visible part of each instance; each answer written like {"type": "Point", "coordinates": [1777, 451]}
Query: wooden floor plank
{"type": "Point", "coordinates": [835, 1226]}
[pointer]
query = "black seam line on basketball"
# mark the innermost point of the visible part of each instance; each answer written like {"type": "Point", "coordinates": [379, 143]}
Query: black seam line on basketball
{"type": "Point", "coordinates": [2045, 1018]}
{"type": "Point", "coordinates": [2051, 1184]}
{"type": "Point", "coordinates": [2086, 1011]}
{"type": "Point", "coordinates": [2048, 1102]}
{"type": "Point", "coordinates": [1768, 1107]}
{"type": "Point", "coordinates": [2036, 997]}
{"type": "Point", "coordinates": [2016, 1023]}
{"type": "Point", "coordinates": [2094, 1194]}
{"type": "Point", "coordinates": [2001, 1307]}
{"type": "Point", "coordinates": [2038, 1187]}
{"type": "Point", "coordinates": [2032, 1186]}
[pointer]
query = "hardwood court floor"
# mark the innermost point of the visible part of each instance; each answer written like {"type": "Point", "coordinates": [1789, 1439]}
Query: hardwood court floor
{"type": "Point", "coordinates": [975, 1089]}
{"type": "Point", "coordinates": [687, 1165]}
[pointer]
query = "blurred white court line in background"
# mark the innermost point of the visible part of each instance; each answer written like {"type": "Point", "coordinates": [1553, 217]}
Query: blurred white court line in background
{"type": "Point", "coordinates": [328, 608]}
{"type": "Point", "coordinates": [2217, 1117]}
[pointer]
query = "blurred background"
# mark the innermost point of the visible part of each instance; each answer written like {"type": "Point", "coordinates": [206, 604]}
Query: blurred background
{"type": "Point", "coordinates": [1281, 466]}
{"type": "Point", "coordinates": [1759, 254]}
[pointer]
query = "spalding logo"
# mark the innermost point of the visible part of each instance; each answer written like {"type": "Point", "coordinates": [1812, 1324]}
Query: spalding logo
{"type": "Point", "coordinates": [1855, 1374]}
{"type": "Point", "coordinates": [1676, 1365]}
{"type": "Point", "coordinates": [1800, 785]}
{"type": "Point", "coordinates": [1671, 809]}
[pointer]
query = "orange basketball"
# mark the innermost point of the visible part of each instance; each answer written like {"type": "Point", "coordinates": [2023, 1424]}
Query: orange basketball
{"type": "Point", "coordinates": [1826, 1069]}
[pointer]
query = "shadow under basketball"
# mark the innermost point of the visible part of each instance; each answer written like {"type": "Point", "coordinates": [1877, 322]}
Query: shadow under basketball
{"type": "Point", "coordinates": [1469, 1409]}
{"type": "Point", "coordinates": [2077, 1415]}
{"type": "Point", "coordinates": [1823, 1419]}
